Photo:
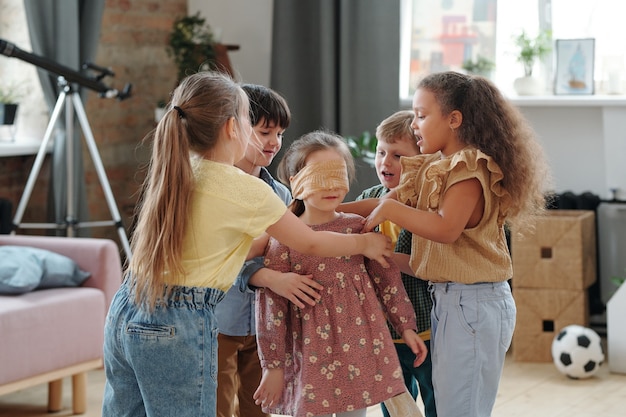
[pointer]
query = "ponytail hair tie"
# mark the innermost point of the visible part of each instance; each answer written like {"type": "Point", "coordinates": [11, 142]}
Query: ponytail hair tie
{"type": "Point", "coordinates": [180, 111]}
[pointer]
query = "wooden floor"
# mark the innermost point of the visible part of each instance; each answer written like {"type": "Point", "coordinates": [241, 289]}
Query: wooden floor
{"type": "Point", "coordinates": [526, 390]}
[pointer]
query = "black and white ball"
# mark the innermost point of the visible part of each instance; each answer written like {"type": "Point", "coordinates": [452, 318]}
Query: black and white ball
{"type": "Point", "coordinates": [577, 351]}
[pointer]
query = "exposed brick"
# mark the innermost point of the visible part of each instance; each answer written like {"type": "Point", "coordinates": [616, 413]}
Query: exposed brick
{"type": "Point", "coordinates": [133, 41]}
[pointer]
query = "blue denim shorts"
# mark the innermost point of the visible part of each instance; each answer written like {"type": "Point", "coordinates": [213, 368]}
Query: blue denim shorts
{"type": "Point", "coordinates": [161, 363]}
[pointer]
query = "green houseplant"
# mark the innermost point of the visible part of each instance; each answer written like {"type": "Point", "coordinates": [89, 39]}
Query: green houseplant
{"type": "Point", "coordinates": [363, 147]}
{"type": "Point", "coordinates": [480, 66]}
{"type": "Point", "coordinates": [191, 45]}
{"type": "Point", "coordinates": [530, 50]}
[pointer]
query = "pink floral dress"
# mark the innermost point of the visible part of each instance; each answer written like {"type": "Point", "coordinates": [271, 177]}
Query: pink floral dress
{"type": "Point", "coordinates": [337, 355]}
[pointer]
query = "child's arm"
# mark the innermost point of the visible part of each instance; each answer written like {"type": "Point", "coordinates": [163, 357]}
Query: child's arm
{"type": "Point", "coordinates": [402, 260]}
{"type": "Point", "coordinates": [298, 289]}
{"type": "Point", "coordinates": [272, 320]}
{"type": "Point", "coordinates": [417, 345]}
{"type": "Point", "coordinates": [398, 308]}
{"type": "Point", "coordinates": [392, 295]}
{"type": "Point", "coordinates": [461, 206]}
{"type": "Point", "coordinates": [271, 387]}
{"type": "Point", "coordinates": [258, 246]}
{"type": "Point", "coordinates": [294, 233]}
{"type": "Point", "coordinates": [361, 207]}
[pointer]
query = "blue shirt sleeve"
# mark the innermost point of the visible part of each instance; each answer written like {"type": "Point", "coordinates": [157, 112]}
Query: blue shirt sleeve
{"type": "Point", "coordinates": [249, 268]}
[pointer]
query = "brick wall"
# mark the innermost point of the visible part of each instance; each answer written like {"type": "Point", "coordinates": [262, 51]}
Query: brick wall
{"type": "Point", "coordinates": [133, 43]}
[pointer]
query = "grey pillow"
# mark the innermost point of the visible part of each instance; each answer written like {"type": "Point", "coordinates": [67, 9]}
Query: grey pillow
{"type": "Point", "coordinates": [24, 269]}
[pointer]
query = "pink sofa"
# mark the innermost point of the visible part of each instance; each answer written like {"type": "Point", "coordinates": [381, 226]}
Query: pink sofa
{"type": "Point", "coordinates": [47, 335]}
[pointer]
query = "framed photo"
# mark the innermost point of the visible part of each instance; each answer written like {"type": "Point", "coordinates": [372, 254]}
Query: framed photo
{"type": "Point", "coordinates": [574, 66]}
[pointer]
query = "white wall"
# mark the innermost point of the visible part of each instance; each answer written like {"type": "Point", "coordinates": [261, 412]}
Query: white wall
{"type": "Point", "coordinates": [585, 140]}
{"type": "Point", "coordinates": [247, 24]}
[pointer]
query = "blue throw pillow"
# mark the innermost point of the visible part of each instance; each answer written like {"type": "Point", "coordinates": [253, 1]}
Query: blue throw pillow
{"type": "Point", "coordinates": [20, 270]}
{"type": "Point", "coordinates": [24, 269]}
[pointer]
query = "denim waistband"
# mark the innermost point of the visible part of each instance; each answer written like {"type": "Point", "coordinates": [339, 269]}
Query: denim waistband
{"type": "Point", "coordinates": [198, 297]}
{"type": "Point", "coordinates": [457, 286]}
{"type": "Point", "coordinates": [189, 297]}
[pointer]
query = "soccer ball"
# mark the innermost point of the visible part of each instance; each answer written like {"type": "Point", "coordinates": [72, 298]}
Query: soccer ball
{"type": "Point", "coordinates": [577, 351]}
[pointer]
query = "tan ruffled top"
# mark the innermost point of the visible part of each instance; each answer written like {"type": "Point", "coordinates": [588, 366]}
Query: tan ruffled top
{"type": "Point", "coordinates": [480, 254]}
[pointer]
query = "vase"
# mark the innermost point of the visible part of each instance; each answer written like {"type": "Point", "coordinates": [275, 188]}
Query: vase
{"type": "Point", "coordinates": [7, 113]}
{"type": "Point", "coordinates": [528, 86]}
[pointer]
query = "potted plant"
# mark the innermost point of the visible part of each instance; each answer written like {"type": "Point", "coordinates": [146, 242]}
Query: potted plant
{"type": "Point", "coordinates": [531, 49]}
{"type": "Point", "coordinates": [9, 96]}
{"type": "Point", "coordinates": [481, 66]}
{"type": "Point", "coordinates": [191, 45]}
{"type": "Point", "coordinates": [363, 147]}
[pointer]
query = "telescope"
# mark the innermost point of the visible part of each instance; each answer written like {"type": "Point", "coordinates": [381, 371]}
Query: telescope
{"type": "Point", "coordinates": [9, 49]}
{"type": "Point", "coordinates": [69, 99]}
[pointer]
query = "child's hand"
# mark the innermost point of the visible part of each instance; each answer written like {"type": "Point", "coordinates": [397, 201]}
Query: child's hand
{"type": "Point", "coordinates": [378, 246]}
{"type": "Point", "coordinates": [298, 289]}
{"type": "Point", "coordinates": [417, 345]}
{"type": "Point", "coordinates": [376, 217]}
{"type": "Point", "coordinates": [270, 389]}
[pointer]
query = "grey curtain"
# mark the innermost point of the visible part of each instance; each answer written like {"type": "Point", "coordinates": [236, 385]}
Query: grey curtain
{"type": "Point", "coordinates": [337, 62]}
{"type": "Point", "coordinates": [66, 32]}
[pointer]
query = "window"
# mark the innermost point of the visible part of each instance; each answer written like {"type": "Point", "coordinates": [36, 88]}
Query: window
{"type": "Point", "coordinates": [442, 37]}
{"type": "Point", "coordinates": [567, 19]}
{"type": "Point", "coordinates": [32, 114]}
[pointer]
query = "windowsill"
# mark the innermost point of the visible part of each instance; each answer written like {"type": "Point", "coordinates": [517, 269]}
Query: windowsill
{"type": "Point", "coordinates": [21, 147]}
{"type": "Point", "coordinates": [570, 101]}
{"type": "Point", "coordinates": [596, 100]}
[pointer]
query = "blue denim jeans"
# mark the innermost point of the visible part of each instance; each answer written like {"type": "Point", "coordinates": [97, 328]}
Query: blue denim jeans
{"type": "Point", "coordinates": [162, 363]}
{"type": "Point", "coordinates": [472, 327]}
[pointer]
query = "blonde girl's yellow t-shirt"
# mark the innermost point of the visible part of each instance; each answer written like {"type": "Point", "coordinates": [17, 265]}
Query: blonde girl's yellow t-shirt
{"type": "Point", "coordinates": [229, 208]}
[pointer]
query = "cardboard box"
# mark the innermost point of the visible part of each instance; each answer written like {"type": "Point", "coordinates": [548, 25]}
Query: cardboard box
{"type": "Point", "coordinates": [560, 254]}
{"type": "Point", "coordinates": [541, 314]}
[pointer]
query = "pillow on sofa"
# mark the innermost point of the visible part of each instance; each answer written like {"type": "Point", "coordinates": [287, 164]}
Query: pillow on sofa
{"type": "Point", "coordinates": [24, 269]}
{"type": "Point", "coordinates": [20, 271]}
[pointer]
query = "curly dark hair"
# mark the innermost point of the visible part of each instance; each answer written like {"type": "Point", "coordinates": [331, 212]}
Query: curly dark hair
{"type": "Point", "coordinates": [495, 126]}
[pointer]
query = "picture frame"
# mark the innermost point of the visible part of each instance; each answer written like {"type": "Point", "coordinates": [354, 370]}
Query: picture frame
{"type": "Point", "coordinates": [574, 66]}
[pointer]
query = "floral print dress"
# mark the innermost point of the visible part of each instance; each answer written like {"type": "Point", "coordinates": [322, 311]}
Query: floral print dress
{"type": "Point", "coordinates": [337, 355]}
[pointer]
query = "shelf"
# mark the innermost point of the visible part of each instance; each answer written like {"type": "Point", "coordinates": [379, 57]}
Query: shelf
{"type": "Point", "coordinates": [20, 147]}
{"type": "Point", "coordinates": [569, 101]}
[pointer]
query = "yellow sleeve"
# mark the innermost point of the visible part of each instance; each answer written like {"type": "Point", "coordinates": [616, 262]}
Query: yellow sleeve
{"type": "Point", "coordinates": [390, 229]}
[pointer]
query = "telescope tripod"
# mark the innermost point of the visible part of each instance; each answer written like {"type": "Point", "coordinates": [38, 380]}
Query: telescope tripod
{"type": "Point", "coordinates": [70, 98]}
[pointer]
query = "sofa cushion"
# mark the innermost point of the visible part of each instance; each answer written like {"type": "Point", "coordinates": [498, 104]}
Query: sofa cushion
{"type": "Point", "coordinates": [42, 331]}
{"type": "Point", "coordinates": [23, 269]}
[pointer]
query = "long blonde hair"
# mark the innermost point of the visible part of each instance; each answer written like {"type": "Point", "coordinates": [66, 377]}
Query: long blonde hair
{"type": "Point", "coordinates": [200, 105]}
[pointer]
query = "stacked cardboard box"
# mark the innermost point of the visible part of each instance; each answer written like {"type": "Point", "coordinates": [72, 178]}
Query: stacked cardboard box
{"type": "Point", "coordinates": [552, 269]}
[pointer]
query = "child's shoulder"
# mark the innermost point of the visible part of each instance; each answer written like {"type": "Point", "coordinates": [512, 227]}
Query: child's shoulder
{"type": "Point", "coordinates": [351, 220]}
{"type": "Point", "coordinates": [373, 192]}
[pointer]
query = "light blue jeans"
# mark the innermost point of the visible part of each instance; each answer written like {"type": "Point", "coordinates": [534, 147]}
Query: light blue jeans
{"type": "Point", "coordinates": [163, 363]}
{"type": "Point", "coordinates": [472, 327]}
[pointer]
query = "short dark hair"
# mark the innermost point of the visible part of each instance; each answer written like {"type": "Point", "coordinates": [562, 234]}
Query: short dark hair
{"type": "Point", "coordinates": [267, 105]}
